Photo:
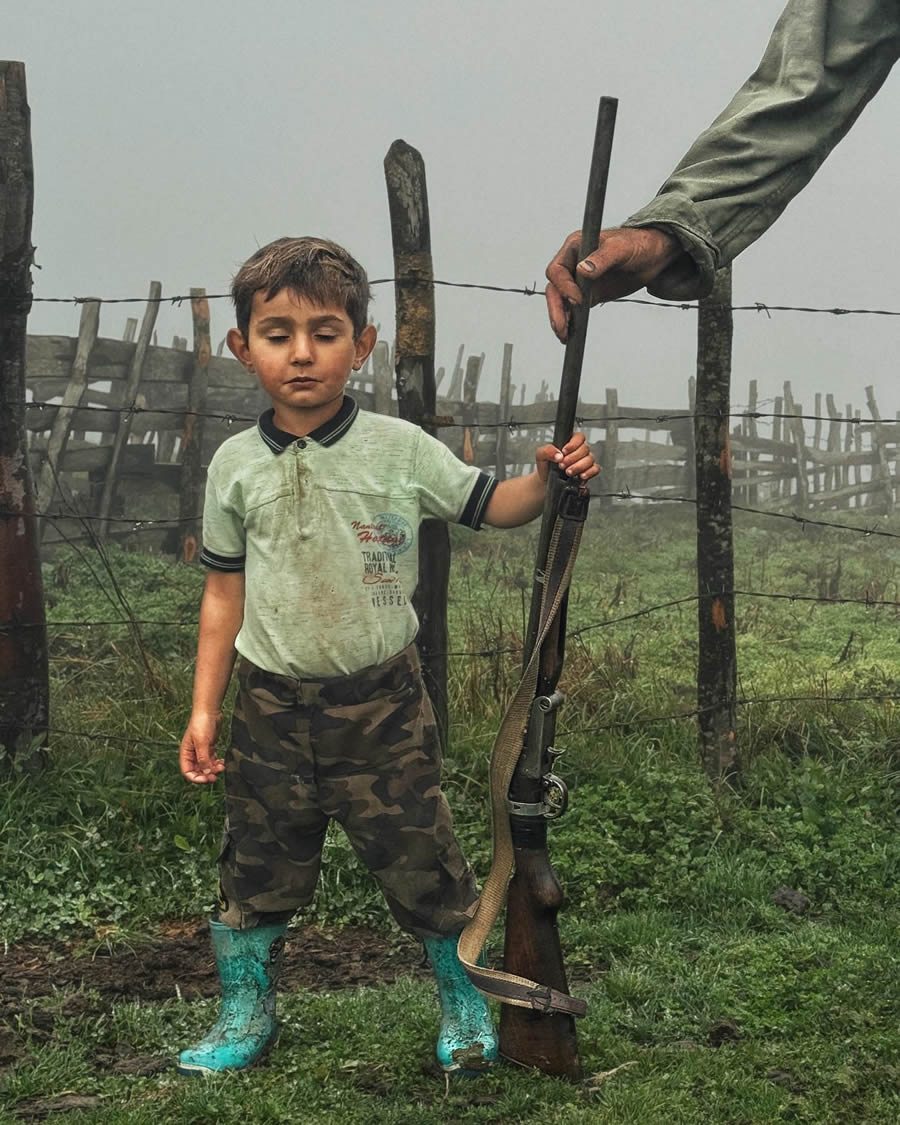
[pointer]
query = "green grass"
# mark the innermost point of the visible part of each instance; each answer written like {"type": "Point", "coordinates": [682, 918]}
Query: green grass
{"type": "Point", "coordinates": [670, 927]}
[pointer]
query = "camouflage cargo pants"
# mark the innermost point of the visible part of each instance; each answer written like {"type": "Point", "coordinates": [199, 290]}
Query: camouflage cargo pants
{"type": "Point", "coordinates": [362, 750]}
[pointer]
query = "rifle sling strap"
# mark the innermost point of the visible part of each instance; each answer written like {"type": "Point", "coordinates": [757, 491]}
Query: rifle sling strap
{"type": "Point", "coordinates": [510, 988]}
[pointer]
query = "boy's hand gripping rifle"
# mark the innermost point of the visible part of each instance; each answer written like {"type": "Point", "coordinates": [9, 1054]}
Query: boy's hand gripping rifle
{"type": "Point", "coordinates": [537, 1025]}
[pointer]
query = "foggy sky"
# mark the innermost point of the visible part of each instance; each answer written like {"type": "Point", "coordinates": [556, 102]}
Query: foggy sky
{"type": "Point", "coordinates": [171, 139]}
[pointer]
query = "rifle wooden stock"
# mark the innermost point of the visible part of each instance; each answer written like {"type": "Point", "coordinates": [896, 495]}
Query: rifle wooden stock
{"type": "Point", "coordinates": [532, 948]}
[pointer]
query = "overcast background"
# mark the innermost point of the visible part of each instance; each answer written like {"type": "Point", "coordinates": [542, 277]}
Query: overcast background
{"type": "Point", "coordinates": [173, 138]}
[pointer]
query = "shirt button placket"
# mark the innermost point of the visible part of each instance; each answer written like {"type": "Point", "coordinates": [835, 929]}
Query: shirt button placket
{"type": "Point", "coordinates": [303, 494]}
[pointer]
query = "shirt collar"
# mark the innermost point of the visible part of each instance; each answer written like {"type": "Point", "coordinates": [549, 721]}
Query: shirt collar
{"type": "Point", "coordinates": [327, 434]}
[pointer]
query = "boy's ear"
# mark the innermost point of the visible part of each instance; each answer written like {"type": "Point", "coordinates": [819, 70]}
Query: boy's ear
{"type": "Point", "coordinates": [365, 341]}
{"type": "Point", "coordinates": [237, 345]}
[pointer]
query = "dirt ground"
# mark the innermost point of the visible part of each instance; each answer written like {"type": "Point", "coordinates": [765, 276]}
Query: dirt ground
{"type": "Point", "coordinates": [177, 958]}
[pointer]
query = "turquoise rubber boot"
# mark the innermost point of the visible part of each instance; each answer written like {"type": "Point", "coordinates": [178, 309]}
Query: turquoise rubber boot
{"type": "Point", "coordinates": [467, 1041]}
{"type": "Point", "coordinates": [249, 962]}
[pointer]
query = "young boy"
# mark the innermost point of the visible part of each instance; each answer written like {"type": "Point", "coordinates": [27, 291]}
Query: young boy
{"type": "Point", "coordinates": [309, 531]}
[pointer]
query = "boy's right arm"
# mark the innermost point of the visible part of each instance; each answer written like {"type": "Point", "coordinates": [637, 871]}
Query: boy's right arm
{"type": "Point", "coordinates": [221, 615]}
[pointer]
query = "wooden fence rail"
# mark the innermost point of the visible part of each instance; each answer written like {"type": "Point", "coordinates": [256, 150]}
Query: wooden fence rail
{"type": "Point", "coordinates": [117, 465]}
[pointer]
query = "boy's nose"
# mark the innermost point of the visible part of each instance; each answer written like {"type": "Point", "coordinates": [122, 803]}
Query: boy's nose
{"type": "Point", "coordinates": [301, 349]}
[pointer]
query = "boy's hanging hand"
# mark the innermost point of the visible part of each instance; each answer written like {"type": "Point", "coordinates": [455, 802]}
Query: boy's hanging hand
{"type": "Point", "coordinates": [575, 459]}
{"type": "Point", "coordinates": [197, 753]}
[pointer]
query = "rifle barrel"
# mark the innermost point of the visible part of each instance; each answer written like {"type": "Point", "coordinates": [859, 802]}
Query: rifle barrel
{"type": "Point", "coordinates": [570, 380]}
{"type": "Point", "coordinates": [590, 229]}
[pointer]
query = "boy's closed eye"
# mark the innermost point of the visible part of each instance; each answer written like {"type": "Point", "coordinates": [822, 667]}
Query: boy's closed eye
{"type": "Point", "coordinates": [318, 336]}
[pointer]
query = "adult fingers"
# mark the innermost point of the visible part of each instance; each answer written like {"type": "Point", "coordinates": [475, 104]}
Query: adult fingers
{"type": "Point", "coordinates": [562, 291]}
{"type": "Point", "coordinates": [558, 312]}
{"type": "Point", "coordinates": [626, 259]}
{"type": "Point", "coordinates": [561, 270]}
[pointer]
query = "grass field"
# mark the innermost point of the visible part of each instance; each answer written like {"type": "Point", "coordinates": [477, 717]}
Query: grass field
{"type": "Point", "coordinates": [709, 1001]}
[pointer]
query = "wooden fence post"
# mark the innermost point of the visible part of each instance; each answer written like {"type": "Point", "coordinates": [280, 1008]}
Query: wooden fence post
{"type": "Point", "coordinates": [190, 501]}
{"type": "Point", "coordinates": [59, 432]}
{"type": "Point", "coordinates": [717, 658]}
{"type": "Point", "coordinates": [454, 391]}
{"type": "Point", "coordinates": [24, 675]}
{"type": "Point", "coordinates": [794, 428]}
{"type": "Point", "coordinates": [833, 471]}
{"type": "Point", "coordinates": [168, 439]}
{"type": "Point", "coordinates": [404, 171]}
{"type": "Point", "coordinates": [381, 379]}
{"type": "Point", "coordinates": [610, 449]}
{"type": "Point", "coordinates": [503, 408]}
{"type": "Point", "coordinates": [881, 469]}
{"type": "Point", "coordinates": [474, 365]}
{"type": "Point", "coordinates": [752, 434]}
{"type": "Point", "coordinates": [817, 475]}
{"type": "Point", "coordinates": [131, 385]}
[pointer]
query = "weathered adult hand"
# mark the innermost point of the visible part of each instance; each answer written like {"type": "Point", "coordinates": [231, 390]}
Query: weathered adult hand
{"type": "Point", "coordinates": [575, 459]}
{"type": "Point", "coordinates": [197, 753]}
{"type": "Point", "coordinates": [626, 259]}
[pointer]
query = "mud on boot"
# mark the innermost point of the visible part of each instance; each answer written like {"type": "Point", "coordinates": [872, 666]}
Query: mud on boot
{"type": "Point", "coordinates": [249, 962]}
{"type": "Point", "coordinates": [467, 1042]}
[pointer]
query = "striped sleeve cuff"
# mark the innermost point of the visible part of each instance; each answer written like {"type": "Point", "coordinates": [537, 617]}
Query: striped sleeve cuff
{"type": "Point", "coordinates": [476, 505]}
{"type": "Point", "coordinates": [221, 562]}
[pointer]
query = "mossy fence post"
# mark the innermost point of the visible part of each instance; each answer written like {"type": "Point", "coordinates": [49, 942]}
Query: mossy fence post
{"type": "Point", "coordinates": [192, 473]}
{"type": "Point", "coordinates": [717, 656]}
{"type": "Point", "coordinates": [404, 171]}
{"type": "Point", "coordinates": [24, 672]}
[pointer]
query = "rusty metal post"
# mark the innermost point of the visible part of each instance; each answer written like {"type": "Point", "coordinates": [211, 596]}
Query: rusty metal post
{"type": "Point", "coordinates": [24, 674]}
{"type": "Point", "coordinates": [717, 656]}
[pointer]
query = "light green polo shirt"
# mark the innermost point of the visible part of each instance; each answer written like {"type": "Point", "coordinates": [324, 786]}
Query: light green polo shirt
{"type": "Point", "coordinates": [325, 528]}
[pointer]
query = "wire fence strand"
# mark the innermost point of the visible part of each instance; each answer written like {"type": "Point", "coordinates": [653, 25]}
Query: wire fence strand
{"type": "Point", "coordinates": [533, 290]}
{"type": "Point", "coordinates": [621, 724]}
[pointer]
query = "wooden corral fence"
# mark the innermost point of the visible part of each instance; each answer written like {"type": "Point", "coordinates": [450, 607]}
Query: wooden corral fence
{"type": "Point", "coordinates": [121, 465]}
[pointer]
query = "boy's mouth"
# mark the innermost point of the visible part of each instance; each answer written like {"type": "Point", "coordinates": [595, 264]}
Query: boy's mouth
{"type": "Point", "coordinates": [301, 381]}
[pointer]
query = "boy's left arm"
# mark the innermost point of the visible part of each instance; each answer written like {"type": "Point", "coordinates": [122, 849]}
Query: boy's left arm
{"type": "Point", "coordinates": [521, 499]}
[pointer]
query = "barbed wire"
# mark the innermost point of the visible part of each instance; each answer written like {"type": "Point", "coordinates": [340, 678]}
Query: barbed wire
{"type": "Point", "coordinates": [447, 421]}
{"type": "Point", "coordinates": [623, 494]}
{"type": "Point", "coordinates": [11, 626]}
{"type": "Point", "coordinates": [415, 280]}
{"type": "Point", "coordinates": [622, 724]}
{"type": "Point", "coordinates": [745, 702]}
{"type": "Point", "coordinates": [794, 517]}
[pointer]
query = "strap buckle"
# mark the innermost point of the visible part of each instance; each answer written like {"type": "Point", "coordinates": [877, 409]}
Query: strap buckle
{"type": "Point", "coordinates": [573, 503]}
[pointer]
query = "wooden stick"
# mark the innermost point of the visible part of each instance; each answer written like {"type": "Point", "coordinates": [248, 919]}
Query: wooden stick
{"type": "Point", "coordinates": [474, 364]}
{"type": "Point", "coordinates": [609, 453]}
{"type": "Point", "coordinates": [169, 438]}
{"type": "Point", "coordinates": [123, 424]}
{"type": "Point", "coordinates": [59, 433]}
{"type": "Point", "coordinates": [882, 470]}
{"type": "Point", "coordinates": [381, 379]}
{"type": "Point", "coordinates": [503, 408]}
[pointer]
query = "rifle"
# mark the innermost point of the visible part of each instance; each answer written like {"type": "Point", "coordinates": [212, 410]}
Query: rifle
{"type": "Point", "coordinates": [537, 1022]}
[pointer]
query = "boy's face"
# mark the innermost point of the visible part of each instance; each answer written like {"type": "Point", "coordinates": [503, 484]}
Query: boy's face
{"type": "Point", "coordinates": [303, 355]}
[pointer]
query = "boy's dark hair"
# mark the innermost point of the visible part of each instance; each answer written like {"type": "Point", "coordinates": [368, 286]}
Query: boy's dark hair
{"type": "Point", "coordinates": [314, 268]}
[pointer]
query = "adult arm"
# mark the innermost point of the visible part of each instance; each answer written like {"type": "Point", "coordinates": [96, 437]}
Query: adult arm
{"type": "Point", "coordinates": [824, 62]}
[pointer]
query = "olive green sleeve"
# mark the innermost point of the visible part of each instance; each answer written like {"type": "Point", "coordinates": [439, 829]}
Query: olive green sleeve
{"type": "Point", "coordinates": [825, 60]}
